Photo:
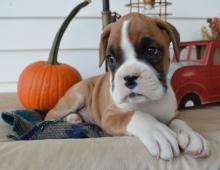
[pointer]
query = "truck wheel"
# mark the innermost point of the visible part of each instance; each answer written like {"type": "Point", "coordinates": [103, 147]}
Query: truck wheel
{"type": "Point", "coordinates": [192, 98]}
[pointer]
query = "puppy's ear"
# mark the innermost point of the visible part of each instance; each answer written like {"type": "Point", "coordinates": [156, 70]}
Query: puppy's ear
{"type": "Point", "coordinates": [173, 35]}
{"type": "Point", "coordinates": [103, 43]}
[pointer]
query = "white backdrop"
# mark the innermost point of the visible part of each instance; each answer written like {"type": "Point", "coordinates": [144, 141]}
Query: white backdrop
{"type": "Point", "coordinates": [27, 29]}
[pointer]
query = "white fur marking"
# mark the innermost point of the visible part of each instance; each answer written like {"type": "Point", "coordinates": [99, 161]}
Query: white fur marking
{"type": "Point", "coordinates": [157, 137]}
{"type": "Point", "coordinates": [126, 45]}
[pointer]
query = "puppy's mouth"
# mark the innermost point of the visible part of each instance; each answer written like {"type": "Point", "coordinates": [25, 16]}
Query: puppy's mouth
{"type": "Point", "coordinates": [134, 98]}
{"type": "Point", "coordinates": [133, 95]}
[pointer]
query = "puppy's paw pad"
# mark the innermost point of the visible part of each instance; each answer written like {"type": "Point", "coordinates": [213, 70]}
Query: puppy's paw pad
{"type": "Point", "coordinates": [73, 119]}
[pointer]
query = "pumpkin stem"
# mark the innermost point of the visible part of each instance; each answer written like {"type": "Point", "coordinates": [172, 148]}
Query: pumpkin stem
{"type": "Point", "coordinates": [56, 42]}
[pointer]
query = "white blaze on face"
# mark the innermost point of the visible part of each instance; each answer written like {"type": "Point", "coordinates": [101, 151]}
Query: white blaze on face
{"type": "Point", "coordinates": [148, 86]}
{"type": "Point", "coordinates": [126, 46]}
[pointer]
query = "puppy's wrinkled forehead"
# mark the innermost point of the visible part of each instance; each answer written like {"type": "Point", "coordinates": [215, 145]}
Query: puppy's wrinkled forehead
{"type": "Point", "coordinates": [136, 27]}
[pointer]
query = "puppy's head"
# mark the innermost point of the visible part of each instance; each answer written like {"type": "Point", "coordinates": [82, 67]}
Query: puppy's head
{"type": "Point", "coordinates": [136, 49]}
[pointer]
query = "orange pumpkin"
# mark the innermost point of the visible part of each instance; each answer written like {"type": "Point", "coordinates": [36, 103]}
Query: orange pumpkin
{"type": "Point", "coordinates": [43, 83]}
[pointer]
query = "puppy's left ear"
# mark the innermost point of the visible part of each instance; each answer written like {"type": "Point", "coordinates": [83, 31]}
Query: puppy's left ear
{"type": "Point", "coordinates": [103, 43]}
{"type": "Point", "coordinates": [172, 34]}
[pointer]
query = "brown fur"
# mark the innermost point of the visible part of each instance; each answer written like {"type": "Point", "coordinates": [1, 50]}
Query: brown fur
{"type": "Point", "coordinates": [98, 103]}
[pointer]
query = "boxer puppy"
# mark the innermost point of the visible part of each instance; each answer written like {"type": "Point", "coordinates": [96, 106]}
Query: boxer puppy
{"type": "Point", "coordinates": [134, 97]}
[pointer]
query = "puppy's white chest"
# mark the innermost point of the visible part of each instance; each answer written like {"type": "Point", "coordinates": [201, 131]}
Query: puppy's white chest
{"type": "Point", "coordinates": [163, 110]}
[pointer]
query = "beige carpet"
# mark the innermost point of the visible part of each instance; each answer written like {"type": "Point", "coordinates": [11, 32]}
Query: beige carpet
{"type": "Point", "coordinates": [9, 101]}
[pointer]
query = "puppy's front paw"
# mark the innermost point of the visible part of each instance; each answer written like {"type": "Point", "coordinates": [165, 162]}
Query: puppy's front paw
{"type": "Point", "coordinates": [161, 142]}
{"type": "Point", "coordinates": [193, 143]}
{"type": "Point", "coordinates": [189, 140]}
{"type": "Point", "coordinates": [157, 137]}
{"type": "Point", "coordinates": [73, 119]}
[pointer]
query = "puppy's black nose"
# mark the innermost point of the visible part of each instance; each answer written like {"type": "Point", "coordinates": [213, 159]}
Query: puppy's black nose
{"type": "Point", "coordinates": [130, 81]}
{"type": "Point", "coordinates": [130, 78]}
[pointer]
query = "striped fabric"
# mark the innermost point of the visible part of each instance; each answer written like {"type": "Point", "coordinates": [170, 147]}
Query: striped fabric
{"type": "Point", "coordinates": [29, 125]}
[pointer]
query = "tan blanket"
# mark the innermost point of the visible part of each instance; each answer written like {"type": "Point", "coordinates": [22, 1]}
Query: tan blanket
{"type": "Point", "coordinates": [116, 153]}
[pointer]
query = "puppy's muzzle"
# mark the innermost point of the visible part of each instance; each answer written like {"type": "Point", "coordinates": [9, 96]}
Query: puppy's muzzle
{"type": "Point", "coordinates": [130, 81]}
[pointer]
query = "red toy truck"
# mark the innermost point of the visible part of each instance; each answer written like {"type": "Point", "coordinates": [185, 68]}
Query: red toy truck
{"type": "Point", "coordinates": [196, 77]}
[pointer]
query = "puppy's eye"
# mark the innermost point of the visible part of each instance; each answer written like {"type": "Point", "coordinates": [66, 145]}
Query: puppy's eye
{"type": "Point", "coordinates": [111, 60]}
{"type": "Point", "coordinates": [153, 54]}
{"type": "Point", "coordinates": [153, 51]}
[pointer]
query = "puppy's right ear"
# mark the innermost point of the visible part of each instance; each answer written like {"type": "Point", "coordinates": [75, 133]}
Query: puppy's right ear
{"type": "Point", "coordinates": [103, 43]}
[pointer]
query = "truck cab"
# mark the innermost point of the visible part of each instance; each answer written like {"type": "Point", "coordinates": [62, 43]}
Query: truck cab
{"type": "Point", "coordinates": [196, 76]}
